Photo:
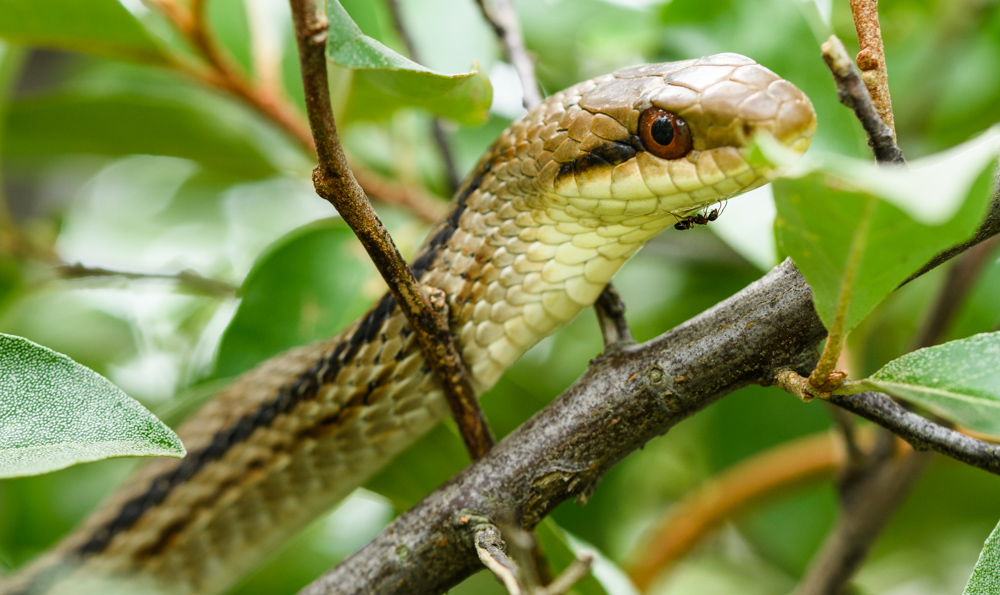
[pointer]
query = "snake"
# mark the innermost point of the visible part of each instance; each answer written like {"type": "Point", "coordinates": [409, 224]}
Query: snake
{"type": "Point", "coordinates": [543, 222]}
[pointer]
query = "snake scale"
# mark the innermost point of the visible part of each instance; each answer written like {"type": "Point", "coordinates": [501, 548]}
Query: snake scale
{"type": "Point", "coordinates": [555, 207]}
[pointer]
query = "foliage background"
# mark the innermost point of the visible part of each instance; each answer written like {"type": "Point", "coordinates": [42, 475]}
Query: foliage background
{"type": "Point", "coordinates": [115, 161]}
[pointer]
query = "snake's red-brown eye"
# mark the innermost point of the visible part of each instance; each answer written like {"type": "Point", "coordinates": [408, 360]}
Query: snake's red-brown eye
{"type": "Point", "coordinates": [664, 134]}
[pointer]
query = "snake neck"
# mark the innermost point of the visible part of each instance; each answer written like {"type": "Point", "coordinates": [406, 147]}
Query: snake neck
{"type": "Point", "coordinates": [516, 266]}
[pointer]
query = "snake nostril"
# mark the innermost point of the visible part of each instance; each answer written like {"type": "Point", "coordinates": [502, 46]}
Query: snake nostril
{"type": "Point", "coordinates": [747, 130]}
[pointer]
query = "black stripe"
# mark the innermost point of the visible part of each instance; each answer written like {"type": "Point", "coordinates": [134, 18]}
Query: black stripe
{"type": "Point", "coordinates": [301, 389]}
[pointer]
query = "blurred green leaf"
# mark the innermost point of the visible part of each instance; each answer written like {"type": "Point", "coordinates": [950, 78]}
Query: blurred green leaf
{"type": "Point", "coordinates": [308, 286]}
{"type": "Point", "coordinates": [128, 123]}
{"type": "Point", "coordinates": [420, 469]}
{"type": "Point", "coordinates": [959, 380]}
{"type": "Point", "coordinates": [55, 413]}
{"type": "Point", "coordinates": [855, 248]}
{"type": "Point", "coordinates": [985, 579]}
{"type": "Point", "coordinates": [102, 27]}
{"type": "Point", "coordinates": [10, 281]}
{"type": "Point", "coordinates": [384, 81]}
{"type": "Point", "coordinates": [561, 548]}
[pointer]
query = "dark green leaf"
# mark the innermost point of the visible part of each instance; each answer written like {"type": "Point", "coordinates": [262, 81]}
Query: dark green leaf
{"type": "Point", "coordinates": [308, 286]}
{"type": "Point", "coordinates": [102, 27]}
{"type": "Point", "coordinates": [384, 81]}
{"type": "Point", "coordinates": [55, 413]}
{"type": "Point", "coordinates": [959, 380]}
{"type": "Point", "coordinates": [854, 247]}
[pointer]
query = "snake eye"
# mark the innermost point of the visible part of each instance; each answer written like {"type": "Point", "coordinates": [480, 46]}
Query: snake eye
{"type": "Point", "coordinates": [664, 134]}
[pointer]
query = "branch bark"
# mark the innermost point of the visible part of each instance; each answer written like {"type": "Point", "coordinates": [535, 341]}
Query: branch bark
{"type": "Point", "coordinates": [335, 182]}
{"type": "Point", "coordinates": [871, 58]}
{"type": "Point", "coordinates": [853, 93]}
{"type": "Point", "coordinates": [626, 398]}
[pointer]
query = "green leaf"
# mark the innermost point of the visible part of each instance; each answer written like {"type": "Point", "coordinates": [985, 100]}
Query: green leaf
{"type": "Point", "coordinates": [562, 548]}
{"type": "Point", "coordinates": [384, 81]}
{"type": "Point", "coordinates": [308, 286]}
{"type": "Point", "coordinates": [845, 226]}
{"type": "Point", "coordinates": [55, 413]}
{"type": "Point", "coordinates": [134, 123]}
{"type": "Point", "coordinates": [985, 579]}
{"type": "Point", "coordinates": [102, 27]}
{"type": "Point", "coordinates": [959, 380]}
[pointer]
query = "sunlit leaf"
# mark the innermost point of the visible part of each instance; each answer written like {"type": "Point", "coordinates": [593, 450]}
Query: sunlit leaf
{"type": "Point", "coordinates": [855, 248]}
{"type": "Point", "coordinates": [959, 380]}
{"type": "Point", "coordinates": [985, 579]}
{"type": "Point", "coordinates": [384, 81]}
{"type": "Point", "coordinates": [102, 27]}
{"type": "Point", "coordinates": [55, 413]}
{"type": "Point", "coordinates": [308, 286]}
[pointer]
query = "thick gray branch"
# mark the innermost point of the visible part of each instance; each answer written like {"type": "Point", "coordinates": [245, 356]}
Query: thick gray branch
{"type": "Point", "coordinates": [625, 399]}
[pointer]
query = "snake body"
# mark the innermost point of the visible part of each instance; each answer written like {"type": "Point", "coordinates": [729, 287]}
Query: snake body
{"type": "Point", "coordinates": [555, 207]}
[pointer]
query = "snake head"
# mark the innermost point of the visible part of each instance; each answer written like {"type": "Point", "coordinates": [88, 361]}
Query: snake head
{"type": "Point", "coordinates": [658, 139]}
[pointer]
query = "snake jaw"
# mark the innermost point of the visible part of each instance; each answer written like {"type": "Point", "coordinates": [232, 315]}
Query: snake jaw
{"type": "Point", "coordinates": [588, 157]}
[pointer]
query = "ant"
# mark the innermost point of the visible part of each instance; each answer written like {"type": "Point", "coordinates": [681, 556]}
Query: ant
{"type": "Point", "coordinates": [699, 219]}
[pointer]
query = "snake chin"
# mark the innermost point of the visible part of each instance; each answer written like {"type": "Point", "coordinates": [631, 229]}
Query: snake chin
{"type": "Point", "coordinates": [589, 157]}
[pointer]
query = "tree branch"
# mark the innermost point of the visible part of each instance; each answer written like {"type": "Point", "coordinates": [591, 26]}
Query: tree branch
{"type": "Point", "coordinates": [867, 505]}
{"type": "Point", "coordinates": [853, 93]}
{"type": "Point", "coordinates": [335, 182]}
{"type": "Point", "coordinates": [626, 398]}
{"type": "Point", "coordinates": [921, 433]}
{"type": "Point", "coordinates": [188, 279]}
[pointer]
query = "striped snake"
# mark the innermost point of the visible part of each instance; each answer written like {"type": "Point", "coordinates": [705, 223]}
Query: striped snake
{"type": "Point", "coordinates": [555, 207]}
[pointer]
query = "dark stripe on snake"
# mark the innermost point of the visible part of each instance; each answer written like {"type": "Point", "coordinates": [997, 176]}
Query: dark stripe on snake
{"type": "Point", "coordinates": [303, 388]}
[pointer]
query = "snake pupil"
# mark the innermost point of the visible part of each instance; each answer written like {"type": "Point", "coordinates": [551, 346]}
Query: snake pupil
{"type": "Point", "coordinates": [664, 134]}
{"type": "Point", "coordinates": [662, 131]}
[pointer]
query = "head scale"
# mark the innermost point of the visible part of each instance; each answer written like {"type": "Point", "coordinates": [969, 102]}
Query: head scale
{"type": "Point", "coordinates": [655, 139]}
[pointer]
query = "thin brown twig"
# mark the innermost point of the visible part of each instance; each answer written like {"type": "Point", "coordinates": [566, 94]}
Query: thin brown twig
{"type": "Point", "coordinates": [503, 19]}
{"type": "Point", "coordinates": [187, 279]}
{"type": "Point", "coordinates": [438, 131]}
{"type": "Point", "coordinates": [611, 318]}
{"type": "Point", "coordinates": [875, 487]}
{"type": "Point", "coordinates": [867, 504]}
{"type": "Point", "coordinates": [335, 182]}
{"type": "Point", "coordinates": [871, 58]}
{"type": "Point", "coordinates": [989, 229]}
{"type": "Point", "coordinates": [852, 92]}
{"type": "Point", "coordinates": [510, 556]}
